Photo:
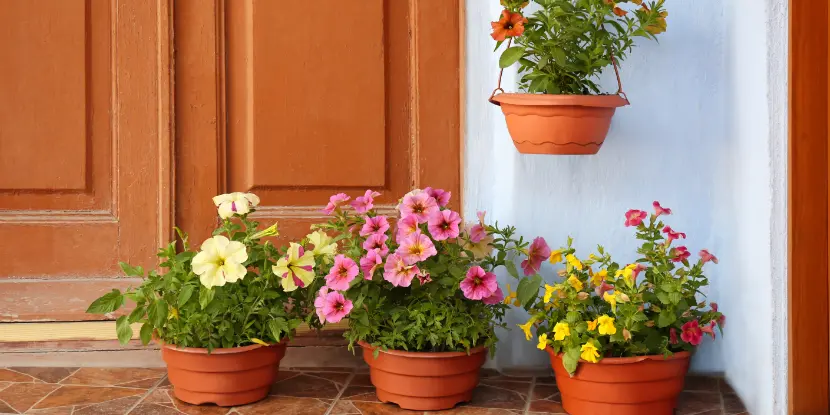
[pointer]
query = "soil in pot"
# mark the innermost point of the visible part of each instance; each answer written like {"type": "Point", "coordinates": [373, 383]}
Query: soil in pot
{"type": "Point", "coordinates": [225, 377]}
{"type": "Point", "coordinates": [424, 381]}
{"type": "Point", "coordinates": [622, 386]}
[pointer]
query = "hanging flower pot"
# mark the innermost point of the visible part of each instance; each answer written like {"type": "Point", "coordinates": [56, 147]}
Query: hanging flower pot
{"type": "Point", "coordinates": [424, 381]}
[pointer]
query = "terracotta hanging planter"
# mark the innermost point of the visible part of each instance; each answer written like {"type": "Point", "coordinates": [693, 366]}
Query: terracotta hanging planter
{"type": "Point", "coordinates": [225, 377]}
{"type": "Point", "coordinates": [622, 386]}
{"type": "Point", "coordinates": [424, 381]}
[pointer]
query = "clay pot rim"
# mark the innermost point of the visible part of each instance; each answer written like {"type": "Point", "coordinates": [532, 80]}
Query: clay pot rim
{"type": "Point", "coordinates": [423, 355]}
{"type": "Point", "coordinates": [218, 350]}
{"type": "Point", "coordinates": [602, 101]}
{"type": "Point", "coordinates": [628, 360]}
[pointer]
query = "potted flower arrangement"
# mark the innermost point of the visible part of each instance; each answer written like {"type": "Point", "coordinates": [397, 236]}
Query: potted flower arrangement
{"type": "Point", "coordinates": [420, 294]}
{"type": "Point", "coordinates": [561, 49]}
{"type": "Point", "coordinates": [223, 313]}
{"type": "Point", "coordinates": [611, 329]}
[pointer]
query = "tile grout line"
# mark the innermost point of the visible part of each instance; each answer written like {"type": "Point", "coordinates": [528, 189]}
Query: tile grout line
{"type": "Point", "coordinates": [44, 397]}
{"type": "Point", "coordinates": [722, 403]}
{"type": "Point", "coordinates": [67, 377]}
{"type": "Point", "coordinates": [529, 395]}
{"type": "Point", "coordinates": [341, 392]}
{"type": "Point", "coordinates": [146, 394]}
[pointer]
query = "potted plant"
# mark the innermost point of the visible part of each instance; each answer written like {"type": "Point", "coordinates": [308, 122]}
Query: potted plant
{"type": "Point", "coordinates": [420, 294]}
{"type": "Point", "coordinates": [224, 312]}
{"type": "Point", "coordinates": [620, 337]}
{"type": "Point", "coordinates": [561, 49]}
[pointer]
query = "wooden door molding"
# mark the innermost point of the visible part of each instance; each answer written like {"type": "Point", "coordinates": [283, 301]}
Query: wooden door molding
{"type": "Point", "coordinates": [809, 321]}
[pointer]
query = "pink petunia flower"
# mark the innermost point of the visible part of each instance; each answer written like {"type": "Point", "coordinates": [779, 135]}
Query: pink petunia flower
{"type": "Point", "coordinates": [342, 273]}
{"type": "Point", "coordinates": [673, 336]}
{"type": "Point", "coordinates": [420, 205]}
{"type": "Point", "coordinates": [377, 241]}
{"type": "Point", "coordinates": [370, 262]}
{"type": "Point", "coordinates": [477, 233]}
{"type": "Point", "coordinates": [681, 253]}
{"type": "Point", "coordinates": [634, 217]}
{"type": "Point", "coordinates": [537, 253]}
{"type": "Point", "coordinates": [659, 210]}
{"type": "Point", "coordinates": [336, 306]}
{"type": "Point", "coordinates": [365, 203]}
{"type": "Point", "coordinates": [416, 248]}
{"type": "Point", "coordinates": [335, 202]}
{"type": "Point", "coordinates": [691, 333]}
{"type": "Point", "coordinates": [377, 224]}
{"type": "Point", "coordinates": [406, 226]}
{"type": "Point", "coordinates": [441, 196]}
{"type": "Point", "coordinates": [478, 284]}
{"type": "Point", "coordinates": [496, 298]}
{"type": "Point", "coordinates": [424, 277]}
{"type": "Point", "coordinates": [672, 235]}
{"type": "Point", "coordinates": [443, 224]}
{"type": "Point", "coordinates": [320, 302]}
{"type": "Point", "coordinates": [398, 272]}
{"type": "Point", "coordinates": [705, 256]}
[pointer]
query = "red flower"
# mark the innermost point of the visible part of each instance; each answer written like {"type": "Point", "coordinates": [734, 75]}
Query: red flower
{"type": "Point", "coordinates": [510, 25]}
{"type": "Point", "coordinates": [659, 210]}
{"type": "Point", "coordinates": [709, 329]}
{"type": "Point", "coordinates": [691, 333]}
{"type": "Point", "coordinates": [672, 235]}
{"type": "Point", "coordinates": [681, 254]}
{"type": "Point", "coordinates": [634, 217]}
{"type": "Point", "coordinates": [672, 336]}
{"type": "Point", "coordinates": [722, 319]}
{"type": "Point", "coordinates": [705, 256]}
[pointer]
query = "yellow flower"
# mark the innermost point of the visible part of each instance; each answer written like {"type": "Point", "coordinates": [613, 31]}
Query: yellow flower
{"type": "Point", "coordinates": [543, 342]}
{"type": "Point", "coordinates": [556, 256]}
{"type": "Point", "coordinates": [560, 331]}
{"type": "Point", "coordinates": [574, 261]}
{"type": "Point", "coordinates": [575, 282]}
{"type": "Point", "coordinates": [612, 300]}
{"type": "Point", "coordinates": [526, 328]}
{"type": "Point", "coordinates": [599, 277]}
{"type": "Point", "coordinates": [512, 297]}
{"type": "Point", "coordinates": [174, 314]}
{"type": "Point", "coordinates": [592, 325]}
{"type": "Point", "coordinates": [606, 325]}
{"type": "Point", "coordinates": [589, 352]}
{"type": "Point", "coordinates": [323, 245]}
{"type": "Point", "coordinates": [593, 257]}
{"type": "Point", "coordinates": [549, 290]}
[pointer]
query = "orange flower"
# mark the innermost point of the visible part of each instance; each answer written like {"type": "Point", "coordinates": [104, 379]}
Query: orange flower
{"type": "Point", "coordinates": [510, 25]}
{"type": "Point", "coordinates": [620, 12]}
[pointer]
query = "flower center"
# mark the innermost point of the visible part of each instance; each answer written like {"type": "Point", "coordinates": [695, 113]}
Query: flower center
{"type": "Point", "coordinates": [477, 281]}
{"type": "Point", "coordinates": [418, 208]}
{"type": "Point", "coordinates": [220, 262]}
{"type": "Point", "coordinates": [338, 306]}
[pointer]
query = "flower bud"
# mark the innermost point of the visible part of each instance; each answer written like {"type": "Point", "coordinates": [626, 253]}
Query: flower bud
{"type": "Point", "coordinates": [650, 323]}
{"type": "Point", "coordinates": [623, 298]}
{"type": "Point", "coordinates": [269, 231]}
{"type": "Point", "coordinates": [626, 334]}
{"type": "Point", "coordinates": [582, 296]}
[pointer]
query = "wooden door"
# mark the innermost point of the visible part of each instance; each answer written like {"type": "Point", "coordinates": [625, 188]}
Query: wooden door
{"type": "Point", "coordinates": [84, 150]}
{"type": "Point", "coordinates": [298, 103]}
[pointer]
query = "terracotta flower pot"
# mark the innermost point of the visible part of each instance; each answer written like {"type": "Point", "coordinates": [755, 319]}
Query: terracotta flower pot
{"type": "Point", "coordinates": [424, 381]}
{"type": "Point", "coordinates": [622, 386]}
{"type": "Point", "coordinates": [226, 377]}
{"type": "Point", "coordinates": [558, 124]}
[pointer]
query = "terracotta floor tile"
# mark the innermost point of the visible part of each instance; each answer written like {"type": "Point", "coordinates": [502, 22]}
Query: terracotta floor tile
{"type": "Point", "coordinates": [306, 386]}
{"type": "Point", "coordinates": [46, 374]}
{"type": "Point", "coordinates": [490, 374]}
{"type": "Point", "coordinates": [361, 379]}
{"type": "Point", "coordinates": [7, 375]}
{"type": "Point", "coordinates": [322, 369]}
{"type": "Point", "coordinates": [546, 380]}
{"type": "Point", "coordinates": [696, 402]}
{"type": "Point", "coordinates": [21, 396]}
{"type": "Point", "coordinates": [372, 408]}
{"type": "Point", "coordinates": [115, 406]}
{"type": "Point", "coordinates": [94, 376]}
{"type": "Point", "coordinates": [6, 409]}
{"type": "Point", "coordinates": [548, 392]}
{"type": "Point", "coordinates": [701, 384]}
{"type": "Point", "coordinates": [360, 393]}
{"type": "Point", "coordinates": [153, 409]}
{"type": "Point", "coordinates": [501, 395]}
{"type": "Point", "coordinates": [285, 405]}
{"type": "Point", "coordinates": [732, 404]}
{"type": "Point", "coordinates": [725, 387]}
{"type": "Point", "coordinates": [546, 406]}
{"type": "Point", "coordinates": [190, 409]}
{"type": "Point", "coordinates": [68, 395]}
{"type": "Point", "coordinates": [64, 410]}
{"type": "Point", "coordinates": [470, 410]}
{"type": "Point", "coordinates": [344, 408]}
{"type": "Point", "coordinates": [4, 385]}
{"type": "Point", "coordinates": [160, 396]}
{"type": "Point", "coordinates": [338, 378]}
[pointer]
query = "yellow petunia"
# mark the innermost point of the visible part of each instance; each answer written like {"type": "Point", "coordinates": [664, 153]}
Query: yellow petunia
{"type": "Point", "coordinates": [561, 330]}
{"type": "Point", "coordinates": [549, 290]}
{"type": "Point", "coordinates": [556, 256]}
{"type": "Point", "coordinates": [606, 325]}
{"type": "Point", "coordinates": [526, 328]}
{"type": "Point", "coordinates": [512, 297]}
{"type": "Point", "coordinates": [611, 300]}
{"type": "Point", "coordinates": [575, 282]}
{"type": "Point", "coordinates": [574, 261]}
{"type": "Point", "coordinates": [592, 325]}
{"type": "Point", "coordinates": [589, 352]}
{"type": "Point", "coordinates": [599, 277]}
{"type": "Point", "coordinates": [543, 342]}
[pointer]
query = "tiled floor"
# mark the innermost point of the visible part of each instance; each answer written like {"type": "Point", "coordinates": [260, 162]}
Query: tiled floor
{"type": "Point", "coordinates": [333, 391]}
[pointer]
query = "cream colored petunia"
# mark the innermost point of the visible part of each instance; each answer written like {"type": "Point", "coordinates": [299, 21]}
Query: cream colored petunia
{"type": "Point", "coordinates": [236, 203]}
{"type": "Point", "coordinates": [220, 261]}
{"type": "Point", "coordinates": [323, 245]}
{"type": "Point", "coordinates": [296, 268]}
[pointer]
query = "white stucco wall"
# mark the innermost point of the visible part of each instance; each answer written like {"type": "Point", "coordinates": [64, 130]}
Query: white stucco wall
{"type": "Point", "coordinates": [705, 135]}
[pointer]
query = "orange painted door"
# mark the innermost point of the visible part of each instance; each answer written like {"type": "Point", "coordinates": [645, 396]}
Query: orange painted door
{"type": "Point", "coordinates": [298, 103]}
{"type": "Point", "coordinates": [84, 150]}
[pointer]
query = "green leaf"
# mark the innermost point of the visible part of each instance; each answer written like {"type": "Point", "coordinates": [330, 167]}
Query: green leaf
{"type": "Point", "coordinates": [572, 316]}
{"type": "Point", "coordinates": [511, 269]}
{"type": "Point", "coordinates": [131, 270]}
{"type": "Point", "coordinates": [184, 295]}
{"type": "Point", "coordinates": [571, 359]}
{"type": "Point", "coordinates": [123, 329]}
{"type": "Point", "coordinates": [511, 56]}
{"type": "Point", "coordinates": [205, 296]}
{"type": "Point", "coordinates": [528, 289]}
{"type": "Point", "coordinates": [559, 56]}
{"type": "Point", "coordinates": [675, 297]}
{"type": "Point", "coordinates": [157, 313]}
{"type": "Point", "coordinates": [665, 319]}
{"type": "Point", "coordinates": [146, 333]}
{"type": "Point", "coordinates": [278, 328]}
{"type": "Point", "coordinates": [667, 287]}
{"type": "Point", "coordinates": [107, 303]}
{"type": "Point", "coordinates": [663, 297]}
{"type": "Point", "coordinates": [137, 314]}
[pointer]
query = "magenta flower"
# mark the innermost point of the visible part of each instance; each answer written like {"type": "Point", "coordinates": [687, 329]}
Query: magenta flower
{"type": "Point", "coordinates": [416, 248]}
{"type": "Point", "coordinates": [536, 254]}
{"type": "Point", "coordinates": [441, 196]}
{"type": "Point", "coordinates": [342, 273]}
{"type": "Point", "coordinates": [709, 329]}
{"type": "Point", "coordinates": [406, 226]}
{"type": "Point", "coordinates": [377, 224]}
{"type": "Point", "coordinates": [496, 298]}
{"type": "Point", "coordinates": [320, 302]}
{"type": "Point", "coordinates": [420, 205]}
{"type": "Point", "coordinates": [336, 306]}
{"type": "Point", "coordinates": [634, 217]}
{"type": "Point", "coordinates": [478, 284]}
{"type": "Point", "coordinates": [377, 241]}
{"type": "Point", "coordinates": [424, 277]}
{"type": "Point", "coordinates": [365, 203]}
{"type": "Point", "coordinates": [671, 235]}
{"type": "Point", "coordinates": [443, 224]}
{"type": "Point", "coordinates": [722, 319]}
{"type": "Point", "coordinates": [398, 272]}
{"type": "Point", "coordinates": [478, 231]}
{"type": "Point", "coordinates": [705, 256]}
{"type": "Point", "coordinates": [370, 262]}
{"type": "Point", "coordinates": [602, 289]}
{"type": "Point", "coordinates": [659, 210]}
{"type": "Point", "coordinates": [691, 333]}
{"type": "Point", "coordinates": [673, 336]}
{"type": "Point", "coordinates": [335, 202]}
{"type": "Point", "coordinates": [681, 253]}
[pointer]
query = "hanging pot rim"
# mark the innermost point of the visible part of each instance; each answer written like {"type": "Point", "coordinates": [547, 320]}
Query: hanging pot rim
{"type": "Point", "coordinates": [518, 98]}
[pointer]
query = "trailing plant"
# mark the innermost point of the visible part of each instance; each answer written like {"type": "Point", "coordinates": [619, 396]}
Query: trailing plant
{"type": "Point", "coordinates": [564, 45]}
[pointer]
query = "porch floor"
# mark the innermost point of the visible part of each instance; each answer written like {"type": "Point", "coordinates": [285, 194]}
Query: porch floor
{"type": "Point", "coordinates": [298, 391]}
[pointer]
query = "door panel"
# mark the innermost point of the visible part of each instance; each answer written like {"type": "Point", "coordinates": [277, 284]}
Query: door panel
{"type": "Point", "coordinates": [84, 150]}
